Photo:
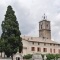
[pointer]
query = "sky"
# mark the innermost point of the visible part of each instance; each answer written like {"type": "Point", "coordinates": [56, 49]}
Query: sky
{"type": "Point", "coordinates": [30, 12]}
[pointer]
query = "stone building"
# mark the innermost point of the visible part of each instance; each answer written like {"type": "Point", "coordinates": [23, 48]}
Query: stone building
{"type": "Point", "coordinates": [42, 44]}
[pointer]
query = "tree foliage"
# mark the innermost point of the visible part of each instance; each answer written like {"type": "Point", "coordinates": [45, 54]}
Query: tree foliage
{"type": "Point", "coordinates": [53, 56]}
{"type": "Point", "coordinates": [1, 46]}
{"type": "Point", "coordinates": [50, 56]}
{"type": "Point", "coordinates": [11, 33]}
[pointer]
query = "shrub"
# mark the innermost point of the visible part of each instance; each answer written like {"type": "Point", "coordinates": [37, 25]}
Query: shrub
{"type": "Point", "coordinates": [28, 56]}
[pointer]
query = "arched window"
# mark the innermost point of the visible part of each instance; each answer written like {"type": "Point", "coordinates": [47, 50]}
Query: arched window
{"type": "Point", "coordinates": [41, 26]}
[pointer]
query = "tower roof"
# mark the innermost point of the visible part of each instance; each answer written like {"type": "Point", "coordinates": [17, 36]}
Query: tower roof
{"type": "Point", "coordinates": [44, 17]}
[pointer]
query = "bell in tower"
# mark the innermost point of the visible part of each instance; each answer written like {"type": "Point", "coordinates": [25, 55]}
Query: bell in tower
{"type": "Point", "coordinates": [44, 28]}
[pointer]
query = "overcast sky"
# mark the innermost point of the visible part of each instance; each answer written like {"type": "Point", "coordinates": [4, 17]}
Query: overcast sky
{"type": "Point", "coordinates": [30, 12]}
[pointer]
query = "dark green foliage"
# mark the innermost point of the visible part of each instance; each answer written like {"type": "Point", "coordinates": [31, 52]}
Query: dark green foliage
{"type": "Point", "coordinates": [28, 56]}
{"type": "Point", "coordinates": [57, 56]}
{"type": "Point", "coordinates": [11, 33]}
{"type": "Point", "coordinates": [1, 46]}
{"type": "Point", "coordinates": [53, 56]}
{"type": "Point", "coordinates": [50, 56]}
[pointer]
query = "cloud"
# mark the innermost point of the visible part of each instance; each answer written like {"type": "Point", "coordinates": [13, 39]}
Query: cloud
{"type": "Point", "coordinates": [30, 12]}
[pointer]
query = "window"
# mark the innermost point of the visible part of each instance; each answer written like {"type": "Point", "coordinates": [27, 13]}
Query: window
{"type": "Point", "coordinates": [47, 25]}
{"type": "Point", "coordinates": [59, 51]}
{"type": "Point", "coordinates": [53, 44]}
{"type": "Point", "coordinates": [32, 48]}
{"type": "Point", "coordinates": [54, 50]}
{"type": "Point", "coordinates": [44, 44]}
{"type": "Point", "coordinates": [44, 49]}
{"type": "Point", "coordinates": [33, 43]}
{"type": "Point", "coordinates": [50, 50]}
{"type": "Point", "coordinates": [38, 43]}
{"type": "Point", "coordinates": [50, 44]}
{"type": "Point", "coordinates": [43, 37]}
{"type": "Point", "coordinates": [41, 26]}
{"type": "Point", "coordinates": [58, 44]}
{"type": "Point", "coordinates": [39, 49]}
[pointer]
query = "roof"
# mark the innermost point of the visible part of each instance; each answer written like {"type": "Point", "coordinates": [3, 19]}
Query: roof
{"type": "Point", "coordinates": [38, 39]}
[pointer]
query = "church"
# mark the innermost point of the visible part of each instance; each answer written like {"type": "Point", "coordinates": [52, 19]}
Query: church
{"type": "Point", "coordinates": [42, 44]}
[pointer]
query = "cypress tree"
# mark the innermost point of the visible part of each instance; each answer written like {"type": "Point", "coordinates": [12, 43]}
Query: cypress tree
{"type": "Point", "coordinates": [11, 33]}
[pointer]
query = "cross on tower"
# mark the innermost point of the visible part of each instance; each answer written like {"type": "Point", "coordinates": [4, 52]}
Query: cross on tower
{"type": "Point", "coordinates": [44, 17]}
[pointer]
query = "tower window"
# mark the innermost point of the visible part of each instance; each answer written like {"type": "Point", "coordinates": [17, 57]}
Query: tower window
{"type": "Point", "coordinates": [47, 25]}
{"type": "Point", "coordinates": [41, 26]}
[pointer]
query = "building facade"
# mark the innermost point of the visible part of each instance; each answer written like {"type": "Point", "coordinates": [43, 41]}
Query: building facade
{"type": "Point", "coordinates": [42, 44]}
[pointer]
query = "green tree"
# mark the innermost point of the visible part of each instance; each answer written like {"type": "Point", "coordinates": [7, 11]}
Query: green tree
{"type": "Point", "coordinates": [1, 46]}
{"type": "Point", "coordinates": [11, 33]}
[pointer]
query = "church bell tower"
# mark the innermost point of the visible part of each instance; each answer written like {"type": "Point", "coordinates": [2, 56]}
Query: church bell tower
{"type": "Point", "coordinates": [44, 28]}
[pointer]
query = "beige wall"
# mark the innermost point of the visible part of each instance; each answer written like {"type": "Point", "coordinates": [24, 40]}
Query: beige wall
{"type": "Point", "coordinates": [29, 44]}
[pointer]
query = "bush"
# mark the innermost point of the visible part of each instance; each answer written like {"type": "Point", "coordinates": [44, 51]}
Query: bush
{"type": "Point", "coordinates": [28, 56]}
{"type": "Point", "coordinates": [50, 56]}
{"type": "Point", "coordinates": [53, 56]}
